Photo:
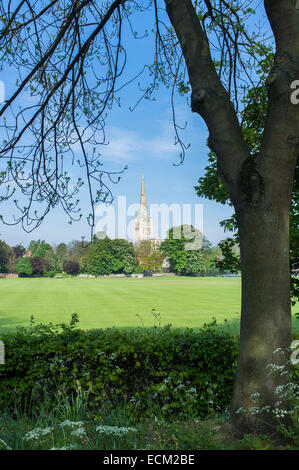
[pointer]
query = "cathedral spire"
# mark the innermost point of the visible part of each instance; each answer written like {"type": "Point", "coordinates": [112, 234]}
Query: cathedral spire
{"type": "Point", "coordinates": [143, 223]}
{"type": "Point", "coordinates": [143, 205]}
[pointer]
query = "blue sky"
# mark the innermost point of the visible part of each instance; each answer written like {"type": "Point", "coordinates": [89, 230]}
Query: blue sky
{"type": "Point", "coordinates": [144, 141]}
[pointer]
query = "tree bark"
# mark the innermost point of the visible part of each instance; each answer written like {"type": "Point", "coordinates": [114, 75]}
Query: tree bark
{"type": "Point", "coordinates": [260, 187]}
{"type": "Point", "coordinates": [266, 311]}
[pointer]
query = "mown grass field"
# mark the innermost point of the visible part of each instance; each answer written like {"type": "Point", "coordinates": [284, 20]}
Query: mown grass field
{"type": "Point", "coordinates": [125, 302]}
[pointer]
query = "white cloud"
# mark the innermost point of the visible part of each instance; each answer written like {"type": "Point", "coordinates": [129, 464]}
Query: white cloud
{"type": "Point", "coordinates": [125, 145]}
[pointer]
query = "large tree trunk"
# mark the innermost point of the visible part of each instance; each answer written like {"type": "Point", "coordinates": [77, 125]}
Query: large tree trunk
{"type": "Point", "coordinates": [266, 310]}
{"type": "Point", "coordinates": [260, 187]}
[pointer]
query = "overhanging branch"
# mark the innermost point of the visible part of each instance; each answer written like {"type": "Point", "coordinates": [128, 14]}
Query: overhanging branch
{"type": "Point", "coordinates": [209, 97]}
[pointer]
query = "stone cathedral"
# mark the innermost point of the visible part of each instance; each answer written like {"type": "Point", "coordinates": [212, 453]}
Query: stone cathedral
{"type": "Point", "coordinates": [143, 222]}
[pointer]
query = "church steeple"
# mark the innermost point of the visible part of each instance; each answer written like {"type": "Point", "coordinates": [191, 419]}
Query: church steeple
{"type": "Point", "coordinates": [143, 205]}
{"type": "Point", "coordinates": [143, 223]}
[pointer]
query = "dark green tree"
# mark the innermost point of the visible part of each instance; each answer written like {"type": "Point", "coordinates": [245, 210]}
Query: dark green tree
{"type": "Point", "coordinates": [111, 256]}
{"type": "Point", "coordinates": [61, 253]}
{"type": "Point", "coordinates": [123, 254]}
{"type": "Point", "coordinates": [5, 257]}
{"type": "Point", "coordinates": [184, 249]}
{"type": "Point", "coordinates": [17, 252]}
{"type": "Point", "coordinates": [23, 267]}
{"type": "Point", "coordinates": [78, 251]}
{"type": "Point", "coordinates": [39, 248]}
{"type": "Point", "coordinates": [230, 259]}
{"type": "Point", "coordinates": [195, 263]}
{"type": "Point", "coordinates": [100, 263]}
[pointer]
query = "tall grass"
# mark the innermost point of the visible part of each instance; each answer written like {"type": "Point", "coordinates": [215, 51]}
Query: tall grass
{"type": "Point", "coordinates": [70, 425]}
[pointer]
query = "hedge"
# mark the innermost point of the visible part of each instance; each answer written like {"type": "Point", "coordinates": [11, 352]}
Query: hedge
{"type": "Point", "coordinates": [177, 371]}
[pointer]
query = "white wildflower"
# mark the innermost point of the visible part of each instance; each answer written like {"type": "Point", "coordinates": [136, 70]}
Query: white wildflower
{"type": "Point", "coordinates": [280, 413]}
{"type": "Point", "coordinates": [133, 400]}
{"type": "Point", "coordinates": [254, 410]}
{"type": "Point", "coordinates": [179, 387]}
{"type": "Point", "coordinates": [266, 408]}
{"type": "Point", "coordinates": [80, 432]}
{"type": "Point", "coordinates": [191, 391]}
{"type": "Point", "coordinates": [115, 430]}
{"type": "Point", "coordinates": [240, 410]}
{"type": "Point", "coordinates": [37, 433]}
{"type": "Point", "coordinates": [5, 445]}
{"type": "Point", "coordinates": [71, 424]}
{"type": "Point", "coordinates": [278, 350]}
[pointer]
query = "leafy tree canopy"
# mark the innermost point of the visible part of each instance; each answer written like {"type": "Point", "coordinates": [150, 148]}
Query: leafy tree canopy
{"type": "Point", "coordinates": [61, 250]}
{"type": "Point", "coordinates": [37, 265]}
{"type": "Point", "coordinates": [5, 255]}
{"type": "Point", "coordinates": [39, 248]}
{"type": "Point", "coordinates": [108, 256]}
{"type": "Point", "coordinates": [24, 267]}
{"type": "Point", "coordinates": [71, 267]}
{"type": "Point", "coordinates": [184, 249]}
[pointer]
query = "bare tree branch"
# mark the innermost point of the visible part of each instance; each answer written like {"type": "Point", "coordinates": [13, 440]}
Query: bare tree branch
{"type": "Point", "coordinates": [209, 98]}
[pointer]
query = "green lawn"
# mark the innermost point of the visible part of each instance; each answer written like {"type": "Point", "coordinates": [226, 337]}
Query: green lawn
{"type": "Point", "coordinates": [125, 302]}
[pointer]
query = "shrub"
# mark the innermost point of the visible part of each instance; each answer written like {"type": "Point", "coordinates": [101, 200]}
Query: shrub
{"type": "Point", "coordinates": [50, 273]}
{"type": "Point", "coordinates": [176, 371]}
{"type": "Point", "coordinates": [71, 267]}
{"type": "Point", "coordinates": [37, 265]}
{"type": "Point", "coordinates": [23, 267]}
{"type": "Point", "coordinates": [100, 263]}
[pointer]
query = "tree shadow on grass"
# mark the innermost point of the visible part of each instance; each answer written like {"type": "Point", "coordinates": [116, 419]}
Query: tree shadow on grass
{"type": "Point", "coordinates": [231, 326]}
{"type": "Point", "coordinates": [9, 324]}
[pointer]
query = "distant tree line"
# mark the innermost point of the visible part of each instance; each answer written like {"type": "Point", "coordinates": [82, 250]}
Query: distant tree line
{"type": "Point", "coordinates": [112, 256]}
